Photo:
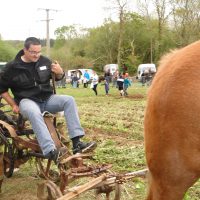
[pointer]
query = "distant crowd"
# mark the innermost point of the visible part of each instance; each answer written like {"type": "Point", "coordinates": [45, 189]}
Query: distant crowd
{"type": "Point", "coordinates": [118, 80]}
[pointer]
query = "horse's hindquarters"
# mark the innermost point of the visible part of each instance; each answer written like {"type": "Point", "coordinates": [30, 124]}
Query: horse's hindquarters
{"type": "Point", "coordinates": [172, 126]}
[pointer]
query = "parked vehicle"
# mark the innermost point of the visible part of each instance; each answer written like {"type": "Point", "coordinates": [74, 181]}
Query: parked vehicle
{"type": "Point", "coordinates": [80, 73]}
{"type": "Point", "coordinates": [145, 69]}
{"type": "Point", "coordinates": [111, 67]}
{"type": "Point", "coordinates": [146, 72]}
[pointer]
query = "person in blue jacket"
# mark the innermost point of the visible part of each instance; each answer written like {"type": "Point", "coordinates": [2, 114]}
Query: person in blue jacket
{"type": "Point", "coordinates": [127, 83]}
{"type": "Point", "coordinates": [86, 78]}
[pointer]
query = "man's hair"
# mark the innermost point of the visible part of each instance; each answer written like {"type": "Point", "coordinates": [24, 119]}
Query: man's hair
{"type": "Point", "coordinates": [31, 41]}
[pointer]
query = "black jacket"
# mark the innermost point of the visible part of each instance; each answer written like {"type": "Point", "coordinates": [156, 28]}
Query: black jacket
{"type": "Point", "coordinates": [25, 83]}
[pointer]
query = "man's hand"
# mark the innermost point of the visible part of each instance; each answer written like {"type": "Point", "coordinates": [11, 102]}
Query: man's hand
{"type": "Point", "coordinates": [15, 109]}
{"type": "Point", "coordinates": [56, 68]}
{"type": "Point", "coordinates": [6, 96]}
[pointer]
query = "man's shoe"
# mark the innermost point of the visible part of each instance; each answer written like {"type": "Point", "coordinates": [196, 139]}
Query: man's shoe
{"type": "Point", "coordinates": [84, 147]}
{"type": "Point", "coordinates": [57, 154]}
{"type": "Point", "coordinates": [53, 155]}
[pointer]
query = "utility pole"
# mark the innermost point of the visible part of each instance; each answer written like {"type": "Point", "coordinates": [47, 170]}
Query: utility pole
{"type": "Point", "coordinates": [47, 28]}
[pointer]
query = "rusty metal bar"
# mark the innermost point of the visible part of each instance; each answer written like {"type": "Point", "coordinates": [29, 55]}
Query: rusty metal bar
{"type": "Point", "coordinates": [114, 178]}
{"type": "Point", "coordinates": [74, 157]}
{"type": "Point", "coordinates": [139, 173]}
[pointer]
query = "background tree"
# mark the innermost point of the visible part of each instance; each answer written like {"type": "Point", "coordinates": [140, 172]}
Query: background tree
{"type": "Point", "coordinates": [120, 6]}
{"type": "Point", "coordinates": [163, 10]}
{"type": "Point", "coordinates": [186, 21]}
{"type": "Point", "coordinates": [7, 51]}
{"type": "Point", "coordinates": [70, 47]}
{"type": "Point", "coordinates": [102, 44]}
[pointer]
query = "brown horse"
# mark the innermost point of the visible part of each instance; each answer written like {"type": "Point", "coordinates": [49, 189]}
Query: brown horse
{"type": "Point", "coordinates": [172, 125]}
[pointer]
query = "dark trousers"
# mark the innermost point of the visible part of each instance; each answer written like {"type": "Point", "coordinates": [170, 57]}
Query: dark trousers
{"type": "Point", "coordinates": [95, 88]}
{"type": "Point", "coordinates": [85, 85]}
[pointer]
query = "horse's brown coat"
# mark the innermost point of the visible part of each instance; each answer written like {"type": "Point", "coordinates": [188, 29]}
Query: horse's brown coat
{"type": "Point", "coordinates": [172, 125]}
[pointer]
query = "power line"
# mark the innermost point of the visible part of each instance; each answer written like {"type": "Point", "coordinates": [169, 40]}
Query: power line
{"type": "Point", "coordinates": [47, 28]}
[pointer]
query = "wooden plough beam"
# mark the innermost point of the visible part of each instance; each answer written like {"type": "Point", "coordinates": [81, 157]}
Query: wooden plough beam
{"type": "Point", "coordinates": [103, 181]}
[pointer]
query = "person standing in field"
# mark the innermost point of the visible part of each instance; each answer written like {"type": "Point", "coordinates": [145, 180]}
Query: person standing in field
{"type": "Point", "coordinates": [107, 86]}
{"type": "Point", "coordinates": [127, 83]}
{"type": "Point", "coordinates": [120, 84]}
{"type": "Point", "coordinates": [86, 78]}
{"type": "Point", "coordinates": [94, 83]}
{"type": "Point", "coordinates": [114, 78]}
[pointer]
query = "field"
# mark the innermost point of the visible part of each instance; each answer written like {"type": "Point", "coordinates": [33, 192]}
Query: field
{"type": "Point", "coordinates": [116, 123]}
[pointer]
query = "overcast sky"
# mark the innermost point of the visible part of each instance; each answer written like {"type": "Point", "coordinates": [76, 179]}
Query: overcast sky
{"type": "Point", "coordinates": [23, 18]}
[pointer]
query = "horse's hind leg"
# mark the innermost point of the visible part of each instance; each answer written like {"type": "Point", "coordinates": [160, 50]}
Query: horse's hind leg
{"type": "Point", "coordinates": [164, 188]}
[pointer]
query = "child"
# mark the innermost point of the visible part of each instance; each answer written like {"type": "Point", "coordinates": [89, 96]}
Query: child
{"type": "Point", "coordinates": [127, 83]}
{"type": "Point", "coordinates": [120, 84]}
{"type": "Point", "coordinates": [106, 82]}
{"type": "Point", "coordinates": [94, 82]}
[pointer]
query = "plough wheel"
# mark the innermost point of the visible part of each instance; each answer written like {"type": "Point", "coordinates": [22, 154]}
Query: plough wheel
{"type": "Point", "coordinates": [47, 169]}
{"type": "Point", "coordinates": [8, 155]}
{"type": "Point", "coordinates": [48, 190]}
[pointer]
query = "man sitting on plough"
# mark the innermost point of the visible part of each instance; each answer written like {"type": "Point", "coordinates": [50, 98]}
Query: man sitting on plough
{"type": "Point", "coordinates": [29, 78]}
